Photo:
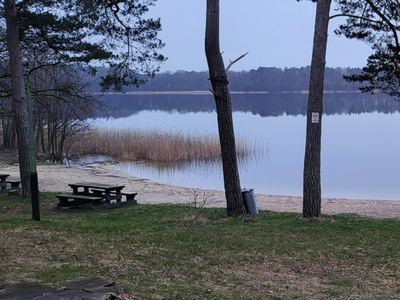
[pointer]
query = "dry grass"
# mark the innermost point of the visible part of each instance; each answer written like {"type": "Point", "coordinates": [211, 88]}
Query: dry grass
{"type": "Point", "coordinates": [156, 145]}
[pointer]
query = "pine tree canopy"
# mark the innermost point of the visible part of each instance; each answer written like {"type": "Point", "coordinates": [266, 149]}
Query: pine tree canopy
{"type": "Point", "coordinates": [377, 23]}
{"type": "Point", "coordinates": [109, 33]}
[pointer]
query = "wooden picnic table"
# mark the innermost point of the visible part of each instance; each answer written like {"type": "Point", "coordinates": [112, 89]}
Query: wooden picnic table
{"type": "Point", "coordinates": [98, 195]}
{"type": "Point", "coordinates": [111, 192]}
{"type": "Point", "coordinates": [13, 184]}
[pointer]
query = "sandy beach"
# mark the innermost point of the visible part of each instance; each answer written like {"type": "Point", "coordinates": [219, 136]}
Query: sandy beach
{"type": "Point", "coordinates": [55, 178]}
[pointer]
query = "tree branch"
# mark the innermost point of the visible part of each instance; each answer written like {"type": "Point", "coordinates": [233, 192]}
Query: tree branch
{"type": "Point", "coordinates": [352, 16]}
{"type": "Point", "coordinates": [387, 21]}
{"type": "Point", "coordinates": [236, 60]}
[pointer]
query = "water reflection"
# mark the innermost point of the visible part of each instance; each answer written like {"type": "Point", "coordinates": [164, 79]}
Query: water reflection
{"type": "Point", "coordinates": [195, 173]}
{"type": "Point", "coordinates": [263, 104]}
{"type": "Point", "coordinates": [180, 173]}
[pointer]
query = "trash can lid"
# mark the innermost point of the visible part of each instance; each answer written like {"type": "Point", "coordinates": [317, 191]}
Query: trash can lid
{"type": "Point", "coordinates": [247, 190]}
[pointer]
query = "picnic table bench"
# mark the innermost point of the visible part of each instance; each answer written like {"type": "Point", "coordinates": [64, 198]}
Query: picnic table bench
{"type": "Point", "coordinates": [77, 200]}
{"type": "Point", "coordinates": [14, 184]}
{"type": "Point", "coordinates": [129, 196]}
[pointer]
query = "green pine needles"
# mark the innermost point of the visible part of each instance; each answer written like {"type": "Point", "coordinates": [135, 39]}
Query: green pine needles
{"type": "Point", "coordinates": [114, 34]}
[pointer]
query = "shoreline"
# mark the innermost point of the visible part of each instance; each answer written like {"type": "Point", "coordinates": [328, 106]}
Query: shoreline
{"type": "Point", "coordinates": [55, 178]}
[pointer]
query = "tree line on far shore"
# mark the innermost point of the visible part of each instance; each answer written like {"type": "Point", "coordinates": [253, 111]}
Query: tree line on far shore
{"type": "Point", "coordinates": [271, 79]}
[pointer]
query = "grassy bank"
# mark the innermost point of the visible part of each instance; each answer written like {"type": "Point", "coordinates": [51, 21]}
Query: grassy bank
{"type": "Point", "coordinates": [157, 145]}
{"type": "Point", "coordinates": [174, 252]}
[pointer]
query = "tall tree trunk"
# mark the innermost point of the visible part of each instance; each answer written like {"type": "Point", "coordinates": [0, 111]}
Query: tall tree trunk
{"type": "Point", "coordinates": [312, 159]}
{"type": "Point", "coordinates": [219, 81]}
{"type": "Point", "coordinates": [19, 103]}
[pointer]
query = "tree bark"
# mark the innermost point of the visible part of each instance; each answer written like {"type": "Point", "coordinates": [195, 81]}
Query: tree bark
{"type": "Point", "coordinates": [219, 81]}
{"type": "Point", "coordinates": [19, 103]}
{"type": "Point", "coordinates": [312, 158]}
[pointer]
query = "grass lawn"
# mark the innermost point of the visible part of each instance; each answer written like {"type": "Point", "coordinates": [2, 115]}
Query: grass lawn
{"type": "Point", "coordinates": [177, 252]}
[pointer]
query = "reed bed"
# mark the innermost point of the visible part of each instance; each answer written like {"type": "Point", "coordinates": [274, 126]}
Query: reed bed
{"type": "Point", "coordinates": [156, 145]}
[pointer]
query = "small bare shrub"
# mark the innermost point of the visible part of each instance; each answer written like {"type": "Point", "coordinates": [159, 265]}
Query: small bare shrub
{"type": "Point", "coordinates": [196, 204]}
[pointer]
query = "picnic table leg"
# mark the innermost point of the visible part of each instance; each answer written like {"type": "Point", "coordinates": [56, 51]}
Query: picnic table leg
{"type": "Point", "coordinates": [118, 196]}
{"type": "Point", "coordinates": [107, 196]}
{"type": "Point", "coordinates": [3, 184]}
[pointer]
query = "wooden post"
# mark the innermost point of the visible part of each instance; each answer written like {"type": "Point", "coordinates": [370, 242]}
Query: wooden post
{"type": "Point", "coordinates": [32, 154]}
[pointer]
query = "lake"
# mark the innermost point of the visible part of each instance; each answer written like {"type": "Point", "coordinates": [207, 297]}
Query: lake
{"type": "Point", "coordinates": [360, 142]}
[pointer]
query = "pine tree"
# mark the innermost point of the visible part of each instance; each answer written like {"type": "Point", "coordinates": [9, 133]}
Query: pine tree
{"type": "Point", "coordinates": [219, 81]}
{"type": "Point", "coordinates": [376, 23]}
{"type": "Point", "coordinates": [110, 33]}
{"type": "Point", "coordinates": [312, 158]}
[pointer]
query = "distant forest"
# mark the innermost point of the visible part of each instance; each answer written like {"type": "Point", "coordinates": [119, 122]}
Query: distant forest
{"type": "Point", "coordinates": [269, 79]}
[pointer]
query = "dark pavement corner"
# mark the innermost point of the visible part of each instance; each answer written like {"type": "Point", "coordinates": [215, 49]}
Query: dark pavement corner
{"type": "Point", "coordinates": [95, 288]}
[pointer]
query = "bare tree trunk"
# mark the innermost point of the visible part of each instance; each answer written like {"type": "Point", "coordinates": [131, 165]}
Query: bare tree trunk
{"type": "Point", "coordinates": [19, 103]}
{"type": "Point", "coordinates": [8, 125]}
{"type": "Point", "coordinates": [312, 159]}
{"type": "Point", "coordinates": [218, 77]}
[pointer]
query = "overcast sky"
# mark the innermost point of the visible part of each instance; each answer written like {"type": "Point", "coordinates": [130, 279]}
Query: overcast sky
{"type": "Point", "coordinates": [276, 33]}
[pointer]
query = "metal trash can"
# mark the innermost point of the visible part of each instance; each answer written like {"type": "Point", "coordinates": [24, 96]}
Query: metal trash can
{"type": "Point", "coordinates": [249, 200]}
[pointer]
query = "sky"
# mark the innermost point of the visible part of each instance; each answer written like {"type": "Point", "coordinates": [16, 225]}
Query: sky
{"type": "Point", "coordinates": [276, 33]}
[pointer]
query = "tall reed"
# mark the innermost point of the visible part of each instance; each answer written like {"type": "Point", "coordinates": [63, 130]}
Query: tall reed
{"type": "Point", "coordinates": [156, 145]}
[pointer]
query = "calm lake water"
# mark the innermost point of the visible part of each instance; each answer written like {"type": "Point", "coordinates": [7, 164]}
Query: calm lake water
{"type": "Point", "coordinates": [360, 152]}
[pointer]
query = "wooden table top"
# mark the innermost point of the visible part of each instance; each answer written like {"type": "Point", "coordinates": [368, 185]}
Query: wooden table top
{"type": "Point", "coordinates": [96, 185]}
